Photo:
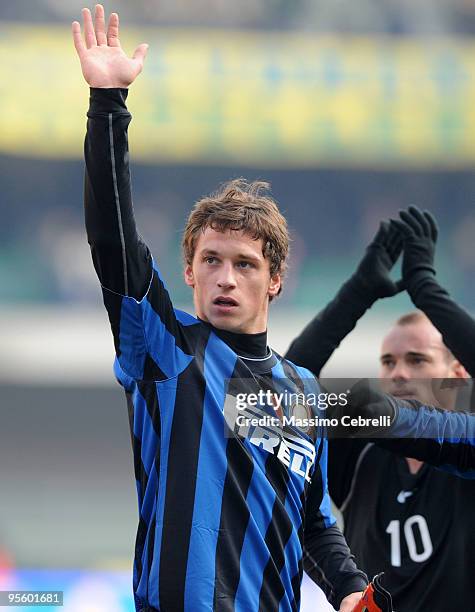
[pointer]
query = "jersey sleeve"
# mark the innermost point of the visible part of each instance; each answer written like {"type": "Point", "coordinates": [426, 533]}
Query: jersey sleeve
{"type": "Point", "coordinates": [327, 558]}
{"type": "Point", "coordinates": [442, 438]}
{"type": "Point", "coordinates": [454, 323]}
{"type": "Point", "coordinates": [149, 335]}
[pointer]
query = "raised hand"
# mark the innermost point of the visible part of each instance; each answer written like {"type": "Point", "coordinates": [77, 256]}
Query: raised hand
{"type": "Point", "coordinates": [419, 231]}
{"type": "Point", "coordinates": [373, 272]}
{"type": "Point", "coordinates": [103, 61]}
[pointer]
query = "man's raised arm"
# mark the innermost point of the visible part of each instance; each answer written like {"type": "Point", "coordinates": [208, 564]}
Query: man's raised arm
{"type": "Point", "coordinates": [148, 337]}
{"type": "Point", "coordinates": [122, 261]}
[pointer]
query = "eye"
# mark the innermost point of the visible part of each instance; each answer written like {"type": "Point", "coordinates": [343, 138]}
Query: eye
{"type": "Point", "coordinates": [244, 265]}
{"type": "Point", "coordinates": [417, 360]}
{"type": "Point", "coordinates": [210, 259]}
{"type": "Point", "coordinates": [387, 363]}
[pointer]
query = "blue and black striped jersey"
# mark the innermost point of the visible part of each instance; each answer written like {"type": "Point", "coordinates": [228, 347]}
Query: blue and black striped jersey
{"type": "Point", "coordinates": [223, 517]}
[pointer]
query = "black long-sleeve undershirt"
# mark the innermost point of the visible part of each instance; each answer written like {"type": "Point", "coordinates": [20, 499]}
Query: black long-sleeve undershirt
{"type": "Point", "coordinates": [121, 259]}
{"type": "Point", "coordinates": [454, 323]}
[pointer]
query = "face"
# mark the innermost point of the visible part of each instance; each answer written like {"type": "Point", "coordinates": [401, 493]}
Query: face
{"type": "Point", "coordinates": [231, 281]}
{"type": "Point", "coordinates": [412, 355]}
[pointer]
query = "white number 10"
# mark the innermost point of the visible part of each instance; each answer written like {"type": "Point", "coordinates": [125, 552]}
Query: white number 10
{"type": "Point", "coordinates": [394, 530]}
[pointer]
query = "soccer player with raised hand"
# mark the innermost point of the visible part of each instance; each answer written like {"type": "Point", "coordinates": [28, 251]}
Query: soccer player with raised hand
{"type": "Point", "coordinates": [394, 521]}
{"type": "Point", "coordinates": [224, 512]}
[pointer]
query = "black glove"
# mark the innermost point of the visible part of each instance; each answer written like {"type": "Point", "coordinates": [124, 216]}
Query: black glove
{"type": "Point", "coordinates": [419, 230]}
{"type": "Point", "coordinates": [372, 274]}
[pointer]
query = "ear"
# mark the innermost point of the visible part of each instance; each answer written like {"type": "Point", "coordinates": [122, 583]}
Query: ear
{"type": "Point", "coordinates": [458, 370]}
{"type": "Point", "coordinates": [274, 285]}
{"type": "Point", "coordinates": [189, 277]}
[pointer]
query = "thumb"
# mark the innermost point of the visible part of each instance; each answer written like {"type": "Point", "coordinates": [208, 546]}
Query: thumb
{"type": "Point", "coordinates": [381, 234]}
{"type": "Point", "coordinates": [140, 52]}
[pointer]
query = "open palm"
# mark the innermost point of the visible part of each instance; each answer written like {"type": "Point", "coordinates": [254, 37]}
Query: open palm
{"type": "Point", "coordinates": [103, 61]}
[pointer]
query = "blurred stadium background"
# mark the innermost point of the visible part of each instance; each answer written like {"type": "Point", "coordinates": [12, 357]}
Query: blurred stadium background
{"type": "Point", "coordinates": [351, 110]}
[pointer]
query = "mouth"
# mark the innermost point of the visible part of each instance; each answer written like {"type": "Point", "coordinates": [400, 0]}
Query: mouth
{"type": "Point", "coordinates": [225, 303]}
{"type": "Point", "coordinates": [404, 394]}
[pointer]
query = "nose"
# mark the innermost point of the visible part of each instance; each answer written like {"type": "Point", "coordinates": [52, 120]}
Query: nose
{"type": "Point", "coordinates": [400, 373]}
{"type": "Point", "coordinates": [226, 278]}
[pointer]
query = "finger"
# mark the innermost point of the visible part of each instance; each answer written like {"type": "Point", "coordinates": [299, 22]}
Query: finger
{"type": "Point", "coordinates": [77, 38]}
{"type": "Point", "coordinates": [113, 31]}
{"type": "Point", "coordinates": [417, 214]}
{"type": "Point", "coordinates": [411, 222]}
{"type": "Point", "coordinates": [404, 228]}
{"type": "Point", "coordinates": [434, 229]}
{"type": "Point", "coordinates": [395, 243]}
{"type": "Point", "coordinates": [381, 234]}
{"type": "Point", "coordinates": [100, 25]}
{"type": "Point", "coordinates": [89, 34]}
{"type": "Point", "coordinates": [140, 53]}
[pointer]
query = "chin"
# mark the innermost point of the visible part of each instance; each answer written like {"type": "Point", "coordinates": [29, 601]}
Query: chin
{"type": "Point", "coordinates": [227, 325]}
{"type": "Point", "coordinates": [224, 323]}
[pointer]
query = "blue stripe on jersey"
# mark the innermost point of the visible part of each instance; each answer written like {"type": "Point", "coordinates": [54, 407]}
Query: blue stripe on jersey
{"type": "Point", "coordinates": [166, 391]}
{"type": "Point", "coordinates": [219, 363]}
{"type": "Point", "coordinates": [132, 345]}
{"type": "Point", "coordinates": [325, 506]}
{"type": "Point", "coordinates": [254, 558]}
{"type": "Point", "coordinates": [161, 344]}
{"type": "Point", "coordinates": [124, 379]}
{"type": "Point", "coordinates": [185, 318]}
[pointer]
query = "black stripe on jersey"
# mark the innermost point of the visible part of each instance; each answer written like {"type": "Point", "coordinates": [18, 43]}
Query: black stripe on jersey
{"type": "Point", "coordinates": [181, 484]}
{"type": "Point", "coordinates": [113, 304]}
{"type": "Point", "coordinates": [277, 535]}
{"type": "Point", "coordinates": [139, 546]}
{"type": "Point", "coordinates": [151, 546]}
{"type": "Point", "coordinates": [296, 582]}
{"type": "Point", "coordinates": [292, 374]}
{"type": "Point", "coordinates": [313, 503]}
{"type": "Point", "coordinates": [149, 393]}
{"type": "Point", "coordinates": [164, 308]}
{"type": "Point", "coordinates": [233, 524]}
{"type": "Point", "coordinates": [151, 370]}
{"type": "Point", "coordinates": [130, 412]}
